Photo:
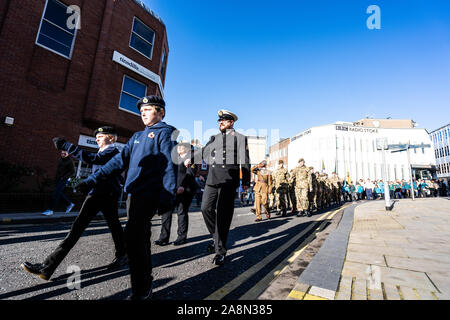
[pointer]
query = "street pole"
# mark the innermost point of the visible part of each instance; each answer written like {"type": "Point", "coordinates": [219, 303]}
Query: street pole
{"type": "Point", "coordinates": [387, 196]}
{"type": "Point", "coordinates": [409, 171]}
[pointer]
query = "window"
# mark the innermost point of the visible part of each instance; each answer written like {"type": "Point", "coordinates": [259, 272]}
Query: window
{"type": "Point", "coordinates": [142, 38]}
{"type": "Point", "coordinates": [132, 91]}
{"type": "Point", "coordinates": [54, 33]}
{"type": "Point", "coordinates": [163, 64]}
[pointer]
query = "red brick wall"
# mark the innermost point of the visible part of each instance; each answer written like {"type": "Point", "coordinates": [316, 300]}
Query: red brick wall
{"type": "Point", "coordinates": [49, 95]}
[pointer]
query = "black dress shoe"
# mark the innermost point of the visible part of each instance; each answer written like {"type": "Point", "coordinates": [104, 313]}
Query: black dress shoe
{"type": "Point", "coordinates": [117, 263]}
{"type": "Point", "coordinates": [210, 248]}
{"type": "Point", "coordinates": [308, 213]}
{"type": "Point", "coordinates": [147, 296]}
{"type": "Point", "coordinates": [179, 242]}
{"type": "Point", "coordinates": [161, 243]}
{"type": "Point", "coordinates": [36, 268]}
{"type": "Point", "coordinates": [219, 259]}
{"type": "Point", "coordinates": [300, 214]}
{"type": "Point", "coordinates": [278, 213]}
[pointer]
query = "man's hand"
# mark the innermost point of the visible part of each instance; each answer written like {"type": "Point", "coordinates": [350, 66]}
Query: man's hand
{"type": "Point", "coordinates": [58, 142]}
{"type": "Point", "coordinates": [187, 163]}
{"type": "Point", "coordinates": [180, 190]}
{"type": "Point", "coordinates": [82, 187]}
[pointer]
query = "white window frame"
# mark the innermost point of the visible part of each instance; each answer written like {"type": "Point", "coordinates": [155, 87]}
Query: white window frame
{"type": "Point", "coordinates": [39, 32]}
{"type": "Point", "coordinates": [152, 44]}
{"type": "Point", "coordinates": [121, 91]}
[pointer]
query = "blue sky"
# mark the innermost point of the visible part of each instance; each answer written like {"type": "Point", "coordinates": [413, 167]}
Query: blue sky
{"type": "Point", "coordinates": [291, 65]}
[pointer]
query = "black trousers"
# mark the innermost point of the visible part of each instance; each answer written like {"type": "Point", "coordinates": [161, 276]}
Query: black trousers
{"type": "Point", "coordinates": [92, 205]}
{"type": "Point", "coordinates": [182, 204]}
{"type": "Point", "coordinates": [140, 209]}
{"type": "Point", "coordinates": [217, 209]}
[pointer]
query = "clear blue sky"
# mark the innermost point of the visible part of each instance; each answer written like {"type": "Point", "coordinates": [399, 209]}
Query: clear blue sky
{"type": "Point", "coordinates": [291, 65]}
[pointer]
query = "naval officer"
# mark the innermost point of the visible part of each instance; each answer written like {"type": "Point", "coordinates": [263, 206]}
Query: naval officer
{"type": "Point", "coordinates": [227, 155]}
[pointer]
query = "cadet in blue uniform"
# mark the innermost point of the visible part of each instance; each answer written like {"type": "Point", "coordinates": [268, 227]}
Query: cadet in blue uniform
{"type": "Point", "coordinates": [186, 187]}
{"type": "Point", "coordinates": [226, 154]}
{"type": "Point", "coordinates": [151, 184]}
{"type": "Point", "coordinates": [103, 197]}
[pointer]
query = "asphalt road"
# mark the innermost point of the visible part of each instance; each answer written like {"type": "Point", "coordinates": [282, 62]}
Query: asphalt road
{"type": "Point", "coordinates": [180, 273]}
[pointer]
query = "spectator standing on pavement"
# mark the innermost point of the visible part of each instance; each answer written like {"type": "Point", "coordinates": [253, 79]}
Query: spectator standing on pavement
{"type": "Point", "coordinates": [103, 197]}
{"type": "Point", "coordinates": [186, 188]}
{"type": "Point", "coordinates": [151, 185]}
{"type": "Point", "coordinates": [251, 194]}
{"type": "Point", "coordinates": [201, 187]}
{"type": "Point", "coordinates": [369, 189]}
{"type": "Point", "coordinates": [64, 171]}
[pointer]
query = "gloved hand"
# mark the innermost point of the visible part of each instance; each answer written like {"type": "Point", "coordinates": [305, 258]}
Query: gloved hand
{"type": "Point", "coordinates": [58, 142]}
{"type": "Point", "coordinates": [83, 186]}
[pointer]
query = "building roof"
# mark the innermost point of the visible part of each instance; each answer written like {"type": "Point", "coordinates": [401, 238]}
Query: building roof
{"type": "Point", "coordinates": [148, 10]}
{"type": "Point", "coordinates": [440, 128]}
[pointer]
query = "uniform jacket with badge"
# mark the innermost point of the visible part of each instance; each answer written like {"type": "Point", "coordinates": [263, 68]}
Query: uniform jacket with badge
{"type": "Point", "coordinates": [110, 185]}
{"type": "Point", "coordinates": [281, 179]}
{"type": "Point", "coordinates": [148, 158]}
{"type": "Point", "coordinates": [303, 178]}
{"type": "Point", "coordinates": [263, 180]}
{"type": "Point", "coordinates": [226, 154]}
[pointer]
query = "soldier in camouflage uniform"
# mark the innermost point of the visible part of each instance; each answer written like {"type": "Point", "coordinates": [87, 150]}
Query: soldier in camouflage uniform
{"type": "Point", "coordinates": [292, 198]}
{"type": "Point", "coordinates": [313, 194]}
{"type": "Point", "coordinates": [336, 188]}
{"type": "Point", "coordinates": [326, 190]}
{"type": "Point", "coordinates": [319, 191]}
{"type": "Point", "coordinates": [281, 182]}
{"type": "Point", "coordinates": [303, 185]}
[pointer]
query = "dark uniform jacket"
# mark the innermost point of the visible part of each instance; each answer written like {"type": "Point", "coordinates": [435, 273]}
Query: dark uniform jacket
{"type": "Point", "coordinates": [148, 158]}
{"type": "Point", "coordinates": [226, 154]}
{"type": "Point", "coordinates": [110, 185]}
{"type": "Point", "coordinates": [186, 177]}
{"type": "Point", "coordinates": [65, 169]}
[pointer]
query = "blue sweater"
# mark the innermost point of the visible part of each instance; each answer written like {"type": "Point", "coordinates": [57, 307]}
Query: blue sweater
{"type": "Point", "coordinates": [147, 156]}
{"type": "Point", "coordinates": [109, 185]}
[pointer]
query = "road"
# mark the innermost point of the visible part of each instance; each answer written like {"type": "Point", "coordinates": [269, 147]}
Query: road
{"type": "Point", "coordinates": [256, 251]}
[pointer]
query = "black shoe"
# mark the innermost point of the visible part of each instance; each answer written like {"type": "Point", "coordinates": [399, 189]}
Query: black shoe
{"type": "Point", "coordinates": [36, 268]}
{"type": "Point", "coordinates": [161, 242]}
{"type": "Point", "coordinates": [117, 263]}
{"type": "Point", "coordinates": [146, 296]}
{"type": "Point", "coordinates": [219, 259]}
{"type": "Point", "coordinates": [278, 213]}
{"type": "Point", "coordinates": [284, 213]}
{"type": "Point", "coordinates": [300, 214]}
{"type": "Point", "coordinates": [308, 213]}
{"type": "Point", "coordinates": [179, 242]}
{"type": "Point", "coordinates": [210, 248]}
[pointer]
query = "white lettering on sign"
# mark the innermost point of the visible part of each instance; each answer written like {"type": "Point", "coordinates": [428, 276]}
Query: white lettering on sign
{"type": "Point", "coordinates": [136, 67]}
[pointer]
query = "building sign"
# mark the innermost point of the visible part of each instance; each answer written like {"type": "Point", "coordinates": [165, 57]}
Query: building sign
{"type": "Point", "coordinates": [356, 129]}
{"type": "Point", "coordinates": [301, 135]}
{"type": "Point", "coordinates": [90, 142]}
{"type": "Point", "coordinates": [136, 67]}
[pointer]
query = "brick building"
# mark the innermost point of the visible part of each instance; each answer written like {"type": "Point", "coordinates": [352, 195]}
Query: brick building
{"type": "Point", "coordinates": [60, 80]}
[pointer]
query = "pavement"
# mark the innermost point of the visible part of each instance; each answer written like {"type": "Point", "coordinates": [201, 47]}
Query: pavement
{"type": "Point", "coordinates": [374, 254]}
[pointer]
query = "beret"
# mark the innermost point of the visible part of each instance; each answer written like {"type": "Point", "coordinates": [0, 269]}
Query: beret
{"type": "Point", "coordinates": [227, 115]}
{"type": "Point", "coordinates": [280, 162]}
{"type": "Point", "coordinates": [152, 100]}
{"type": "Point", "coordinates": [105, 130]}
{"type": "Point", "coordinates": [301, 159]}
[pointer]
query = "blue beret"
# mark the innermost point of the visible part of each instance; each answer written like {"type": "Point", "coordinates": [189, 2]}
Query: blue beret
{"type": "Point", "coordinates": [105, 130]}
{"type": "Point", "coordinates": [152, 100]}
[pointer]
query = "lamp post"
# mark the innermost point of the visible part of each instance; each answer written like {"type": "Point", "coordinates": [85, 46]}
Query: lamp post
{"type": "Point", "coordinates": [383, 146]}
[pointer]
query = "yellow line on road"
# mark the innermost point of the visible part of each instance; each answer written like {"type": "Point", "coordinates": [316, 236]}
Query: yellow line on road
{"type": "Point", "coordinates": [257, 289]}
{"type": "Point", "coordinates": [236, 282]}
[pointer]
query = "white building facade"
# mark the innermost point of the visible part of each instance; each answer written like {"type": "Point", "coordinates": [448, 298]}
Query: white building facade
{"type": "Point", "coordinates": [441, 141]}
{"type": "Point", "coordinates": [349, 149]}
